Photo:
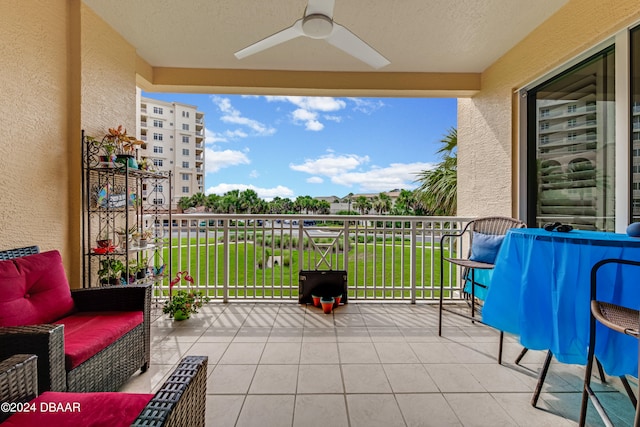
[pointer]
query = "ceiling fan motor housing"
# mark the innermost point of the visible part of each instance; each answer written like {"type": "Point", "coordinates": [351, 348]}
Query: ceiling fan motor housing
{"type": "Point", "coordinates": [317, 26]}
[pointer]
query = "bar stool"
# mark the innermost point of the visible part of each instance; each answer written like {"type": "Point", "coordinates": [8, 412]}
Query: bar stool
{"type": "Point", "coordinates": [618, 318]}
{"type": "Point", "coordinates": [485, 237]}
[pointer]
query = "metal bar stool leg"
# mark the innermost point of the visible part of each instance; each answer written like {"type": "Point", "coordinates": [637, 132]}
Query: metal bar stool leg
{"type": "Point", "coordinates": [627, 388]}
{"type": "Point", "coordinates": [521, 355]}
{"type": "Point", "coordinates": [541, 378]}
{"type": "Point", "coordinates": [603, 378]}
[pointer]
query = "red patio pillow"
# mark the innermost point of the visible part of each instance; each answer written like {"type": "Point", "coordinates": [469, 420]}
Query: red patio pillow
{"type": "Point", "coordinates": [34, 290]}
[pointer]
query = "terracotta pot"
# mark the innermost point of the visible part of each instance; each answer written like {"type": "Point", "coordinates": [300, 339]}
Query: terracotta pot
{"type": "Point", "coordinates": [316, 300]}
{"type": "Point", "coordinates": [104, 243]}
{"type": "Point", "coordinates": [327, 304]}
{"type": "Point", "coordinates": [338, 299]}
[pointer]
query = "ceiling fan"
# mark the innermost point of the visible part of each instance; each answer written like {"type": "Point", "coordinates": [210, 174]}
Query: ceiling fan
{"type": "Point", "coordinates": [318, 23]}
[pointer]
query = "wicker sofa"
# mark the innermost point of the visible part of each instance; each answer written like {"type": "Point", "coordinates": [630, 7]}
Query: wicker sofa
{"type": "Point", "coordinates": [86, 339]}
{"type": "Point", "coordinates": [180, 401]}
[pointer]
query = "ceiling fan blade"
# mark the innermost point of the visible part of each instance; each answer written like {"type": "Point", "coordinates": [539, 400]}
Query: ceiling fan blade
{"type": "Point", "coordinates": [322, 7]}
{"type": "Point", "coordinates": [275, 39]}
{"type": "Point", "coordinates": [347, 41]}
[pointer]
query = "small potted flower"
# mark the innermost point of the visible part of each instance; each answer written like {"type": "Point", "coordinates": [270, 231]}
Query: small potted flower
{"type": "Point", "coordinates": [185, 301]}
{"type": "Point", "coordinates": [141, 237]}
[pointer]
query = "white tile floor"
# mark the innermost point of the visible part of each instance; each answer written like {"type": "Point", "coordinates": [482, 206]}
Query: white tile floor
{"type": "Point", "coordinates": [366, 364]}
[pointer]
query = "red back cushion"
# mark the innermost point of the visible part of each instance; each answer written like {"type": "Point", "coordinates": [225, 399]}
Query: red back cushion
{"type": "Point", "coordinates": [33, 290]}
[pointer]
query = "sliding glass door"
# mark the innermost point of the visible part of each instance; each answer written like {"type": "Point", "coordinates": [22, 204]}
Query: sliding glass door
{"type": "Point", "coordinates": [570, 143]}
{"type": "Point", "coordinates": [634, 121]}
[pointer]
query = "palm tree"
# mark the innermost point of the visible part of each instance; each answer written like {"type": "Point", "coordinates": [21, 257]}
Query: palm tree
{"type": "Point", "coordinates": [198, 199]}
{"type": "Point", "coordinates": [438, 187]}
{"type": "Point", "coordinates": [230, 201]}
{"type": "Point", "coordinates": [213, 202]}
{"type": "Point", "coordinates": [184, 203]}
{"type": "Point", "coordinates": [249, 201]}
{"type": "Point", "coordinates": [362, 204]}
{"type": "Point", "coordinates": [382, 203]}
{"type": "Point", "coordinates": [405, 203]}
{"type": "Point", "coordinates": [348, 200]}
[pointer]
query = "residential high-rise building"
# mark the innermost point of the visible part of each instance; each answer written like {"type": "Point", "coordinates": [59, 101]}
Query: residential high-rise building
{"type": "Point", "coordinates": [174, 133]}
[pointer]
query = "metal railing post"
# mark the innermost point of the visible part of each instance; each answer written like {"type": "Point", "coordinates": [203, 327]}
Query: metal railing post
{"type": "Point", "coordinates": [412, 260]}
{"type": "Point", "coordinates": [225, 260]}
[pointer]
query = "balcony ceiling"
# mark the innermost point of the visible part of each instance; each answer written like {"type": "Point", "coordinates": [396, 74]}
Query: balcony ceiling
{"type": "Point", "coordinates": [424, 36]}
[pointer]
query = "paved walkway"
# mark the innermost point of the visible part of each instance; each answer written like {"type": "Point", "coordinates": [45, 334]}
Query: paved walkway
{"type": "Point", "coordinates": [284, 364]}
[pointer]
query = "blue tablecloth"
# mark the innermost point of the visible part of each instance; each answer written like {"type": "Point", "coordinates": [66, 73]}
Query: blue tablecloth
{"type": "Point", "coordinates": [540, 290]}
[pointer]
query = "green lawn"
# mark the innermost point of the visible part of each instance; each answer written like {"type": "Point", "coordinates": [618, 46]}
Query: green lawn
{"type": "Point", "coordinates": [385, 267]}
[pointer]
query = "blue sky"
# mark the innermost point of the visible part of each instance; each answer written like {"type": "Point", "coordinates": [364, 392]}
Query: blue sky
{"type": "Point", "coordinates": [291, 146]}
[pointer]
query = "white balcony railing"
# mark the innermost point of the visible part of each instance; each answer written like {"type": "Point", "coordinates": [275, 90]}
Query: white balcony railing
{"type": "Point", "coordinates": [240, 257]}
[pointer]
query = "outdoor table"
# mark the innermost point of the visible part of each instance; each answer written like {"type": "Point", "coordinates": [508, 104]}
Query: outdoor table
{"type": "Point", "coordinates": [540, 290]}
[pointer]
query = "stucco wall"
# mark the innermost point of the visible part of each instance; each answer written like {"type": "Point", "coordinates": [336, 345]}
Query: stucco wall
{"type": "Point", "coordinates": [33, 110]}
{"type": "Point", "coordinates": [487, 123]}
{"type": "Point", "coordinates": [63, 69]}
{"type": "Point", "coordinates": [108, 78]}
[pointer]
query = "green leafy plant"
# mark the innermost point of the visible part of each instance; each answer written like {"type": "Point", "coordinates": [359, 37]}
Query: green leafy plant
{"type": "Point", "coordinates": [110, 270]}
{"type": "Point", "coordinates": [184, 302]}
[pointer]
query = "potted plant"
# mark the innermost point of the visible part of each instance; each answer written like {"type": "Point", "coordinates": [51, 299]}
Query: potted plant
{"type": "Point", "coordinates": [141, 237]}
{"type": "Point", "coordinates": [125, 146]}
{"type": "Point", "coordinates": [125, 235]}
{"type": "Point", "coordinates": [185, 301]}
{"type": "Point", "coordinates": [110, 271]}
{"type": "Point", "coordinates": [104, 239]}
{"type": "Point", "coordinates": [132, 270]}
{"type": "Point", "coordinates": [142, 268]}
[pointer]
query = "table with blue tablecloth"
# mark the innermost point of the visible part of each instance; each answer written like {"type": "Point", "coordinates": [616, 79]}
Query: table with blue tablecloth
{"type": "Point", "coordinates": [540, 291]}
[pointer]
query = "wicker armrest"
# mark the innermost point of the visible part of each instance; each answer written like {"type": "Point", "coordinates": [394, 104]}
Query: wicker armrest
{"type": "Point", "coordinates": [113, 298]}
{"type": "Point", "coordinates": [18, 380]}
{"type": "Point", "coordinates": [45, 341]}
{"type": "Point", "coordinates": [182, 399]}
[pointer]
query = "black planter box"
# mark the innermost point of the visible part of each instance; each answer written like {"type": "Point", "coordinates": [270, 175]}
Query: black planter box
{"type": "Point", "coordinates": [329, 283]}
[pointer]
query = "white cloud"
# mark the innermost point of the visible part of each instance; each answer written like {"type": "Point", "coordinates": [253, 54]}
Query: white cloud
{"type": "Point", "coordinates": [366, 106]}
{"type": "Point", "coordinates": [330, 164]}
{"type": "Point", "coordinates": [347, 170]}
{"type": "Point", "coordinates": [318, 103]}
{"type": "Point", "coordinates": [309, 118]}
{"type": "Point", "coordinates": [211, 137]}
{"type": "Point", "coordinates": [336, 119]}
{"type": "Point", "coordinates": [233, 116]}
{"type": "Point", "coordinates": [303, 115]}
{"type": "Point", "coordinates": [396, 175]}
{"type": "Point", "coordinates": [234, 134]}
{"type": "Point", "coordinates": [216, 160]}
{"type": "Point", "coordinates": [308, 108]}
{"type": "Point", "coordinates": [264, 193]}
{"type": "Point", "coordinates": [254, 174]}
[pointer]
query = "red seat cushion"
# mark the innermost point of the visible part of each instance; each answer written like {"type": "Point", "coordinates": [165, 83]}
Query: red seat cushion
{"type": "Point", "coordinates": [54, 409]}
{"type": "Point", "coordinates": [86, 333]}
{"type": "Point", "coordinates": [33, 290]}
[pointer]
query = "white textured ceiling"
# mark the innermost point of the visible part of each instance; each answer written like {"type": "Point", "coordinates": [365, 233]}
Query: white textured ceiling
{"type": "Point", "coordinates": [415, 35]}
